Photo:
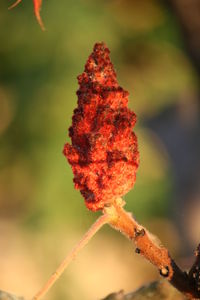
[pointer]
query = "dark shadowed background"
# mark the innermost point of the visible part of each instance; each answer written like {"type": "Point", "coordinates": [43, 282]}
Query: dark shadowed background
{"type": "Point", "coordinates": [155, 48]}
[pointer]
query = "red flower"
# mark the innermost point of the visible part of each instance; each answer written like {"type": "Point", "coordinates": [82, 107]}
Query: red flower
{"type": "Point", "coordinates": [104, 154]}
{"type": "Point", "coordinates": [37, 6]}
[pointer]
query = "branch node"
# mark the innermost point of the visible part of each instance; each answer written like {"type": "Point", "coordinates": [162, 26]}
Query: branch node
{"type": "Point", "coordinates": [139, 232]}
{"type": "Point", "coordinates": [137, 250]}
{"type": "Point", "coordinates": [164, 271]}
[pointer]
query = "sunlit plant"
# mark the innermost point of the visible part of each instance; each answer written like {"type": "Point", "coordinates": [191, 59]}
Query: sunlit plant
{"type": "Point", "coordinates": [104, 157]}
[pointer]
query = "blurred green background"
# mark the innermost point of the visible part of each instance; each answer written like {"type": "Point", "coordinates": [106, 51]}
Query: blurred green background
{"type": "Point", "coordinates": [41, 214]}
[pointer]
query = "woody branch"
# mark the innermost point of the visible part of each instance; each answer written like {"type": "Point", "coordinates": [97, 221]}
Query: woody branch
{"type": "Point", "coordinates": [158, 255]}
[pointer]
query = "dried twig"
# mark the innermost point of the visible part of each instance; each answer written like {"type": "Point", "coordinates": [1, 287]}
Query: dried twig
{"type": "Point", "coordinates": [89, 234]}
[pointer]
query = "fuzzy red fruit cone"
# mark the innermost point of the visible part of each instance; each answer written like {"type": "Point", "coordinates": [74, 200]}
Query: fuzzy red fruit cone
{"type": "Point", "coordinates": [104, 152]}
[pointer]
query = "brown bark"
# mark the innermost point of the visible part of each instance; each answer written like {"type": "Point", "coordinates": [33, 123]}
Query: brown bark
{"type": "Point", "coordinates": [154, 252]}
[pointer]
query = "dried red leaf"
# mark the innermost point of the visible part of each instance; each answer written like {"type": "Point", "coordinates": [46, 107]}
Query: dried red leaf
{"type": "Point", "coordinates": [104, 153]}
{"type": "Point", "coordinates": [37, 7]}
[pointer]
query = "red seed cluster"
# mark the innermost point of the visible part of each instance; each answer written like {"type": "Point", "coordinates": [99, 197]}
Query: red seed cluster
{"type": "Point", "coordinates": [104, 154]}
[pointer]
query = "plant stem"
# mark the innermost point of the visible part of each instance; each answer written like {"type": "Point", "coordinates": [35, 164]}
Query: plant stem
{"type": "Point", "coordinates": [85, 239]}
{"type": "Point", "coordinates": [148, 246]}
{"type": "Point", "coordinates": [15, 4]}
